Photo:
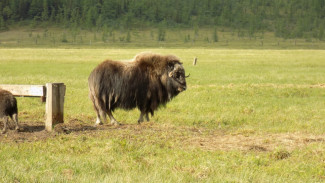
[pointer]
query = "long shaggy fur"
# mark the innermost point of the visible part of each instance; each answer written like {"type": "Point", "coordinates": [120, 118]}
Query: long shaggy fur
{"type": "Point", "coordinates": [141, 83]}
{"type": "Point", "coordinates": [8, 108]}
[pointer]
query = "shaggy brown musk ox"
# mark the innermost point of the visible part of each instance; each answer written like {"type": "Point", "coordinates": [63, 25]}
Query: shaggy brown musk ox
{"type": "Point", "coordinates": [8, 108]}
{"type": "Point", "coordinates": [147, 82]}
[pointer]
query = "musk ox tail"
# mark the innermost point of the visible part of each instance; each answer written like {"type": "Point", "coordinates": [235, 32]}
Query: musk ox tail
{"type": "Point", "coordinates": [98, 103]}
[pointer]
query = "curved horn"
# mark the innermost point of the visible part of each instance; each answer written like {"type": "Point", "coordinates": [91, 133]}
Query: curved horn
{"type": "Point", "coordinates": [187, 76]}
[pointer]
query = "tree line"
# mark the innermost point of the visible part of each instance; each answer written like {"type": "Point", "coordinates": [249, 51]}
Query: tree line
{"type": "Point", "coordinates": [286, 18]}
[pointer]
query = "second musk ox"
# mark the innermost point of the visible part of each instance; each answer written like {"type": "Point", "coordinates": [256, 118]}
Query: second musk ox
{"type": "Point", "coordinates": [147, 82]}
{"type": "Point", "coordinates": [8, 108]}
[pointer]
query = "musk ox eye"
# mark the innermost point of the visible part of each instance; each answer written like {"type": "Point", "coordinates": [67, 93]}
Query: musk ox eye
{"type": "Point", "coordinates": [180, 75]}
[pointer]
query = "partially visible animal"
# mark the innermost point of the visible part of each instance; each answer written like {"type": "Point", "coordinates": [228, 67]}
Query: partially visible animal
{"type": "Point", "coordinates": [8, 108]}
{"type": "Point", "coordinates": [147, 82]}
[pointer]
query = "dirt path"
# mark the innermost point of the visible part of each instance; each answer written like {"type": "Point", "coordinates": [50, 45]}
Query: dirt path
{"type": "Point", "coordinates": [188, 137]}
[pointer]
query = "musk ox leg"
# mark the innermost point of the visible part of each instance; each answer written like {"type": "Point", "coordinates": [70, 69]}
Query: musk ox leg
{"type": "Point", "coordinates": [15, 119]}
{"type": "Point", "coordinates": [99, 111]}
{"type": "Point", "coordinates": [5, 124]}
{"type": "Point", "coordinates": [147, 117]}
{"type": "Point", "coordinates": [142, 114]}
{"type": "Point", "coordinates": [101, 115]}
{"type": "Point", "coordinates": [98, 121]}
{"type": "Point", "coordinates": [112, 119]}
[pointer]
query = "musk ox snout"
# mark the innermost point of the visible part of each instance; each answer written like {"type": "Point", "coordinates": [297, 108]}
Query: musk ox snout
{"type": "Point", "coordinates": [8, 108]}
{"type": "Point", "coordinates": [147, 82]}
{"type": "Point", "coordinates": [183, 88]}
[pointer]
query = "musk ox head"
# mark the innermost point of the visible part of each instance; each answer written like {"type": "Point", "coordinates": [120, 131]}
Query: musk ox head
{"type": "Point", "coordinates": [168, 68]}
{"type": "Point", "coordinates": [176, 82]}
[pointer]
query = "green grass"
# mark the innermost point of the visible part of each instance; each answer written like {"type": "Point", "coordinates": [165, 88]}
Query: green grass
{"type": "Point", "coordinates": [82, 159]}
{"type": "Point", "coordinates": [230, 91]}
{"type": "Point", "coordinates": [271, 90]}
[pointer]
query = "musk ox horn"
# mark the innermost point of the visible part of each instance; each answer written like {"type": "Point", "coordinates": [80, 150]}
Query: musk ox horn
{"type": "Point", "coordinates": [187, 76]}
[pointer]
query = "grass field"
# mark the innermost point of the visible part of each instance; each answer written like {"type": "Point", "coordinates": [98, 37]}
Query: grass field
{"type": "Point", "coordinates": [247, 116]}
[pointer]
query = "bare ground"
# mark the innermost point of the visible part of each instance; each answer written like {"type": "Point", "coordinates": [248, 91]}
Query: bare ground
{"type": "Point", "coordinates": [187, 137]}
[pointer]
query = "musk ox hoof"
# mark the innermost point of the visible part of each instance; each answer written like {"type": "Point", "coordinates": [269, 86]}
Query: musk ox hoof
{"type": "Point", "coordinates": [115, 123]}
{"type": "Point", "coordinates": [98, 124]}
{"type": "Point", "coordinates": [19, 129]}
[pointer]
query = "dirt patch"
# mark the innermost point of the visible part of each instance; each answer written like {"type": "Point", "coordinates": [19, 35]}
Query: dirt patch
{"type": "Point", "coordinates": [254, 142]}
{"type": "Point", "coordinates": [185, 137]}
{"type": "Point", "coordinates": [35, 131]}
{"type": "Point", "coordinates": [28, 132]}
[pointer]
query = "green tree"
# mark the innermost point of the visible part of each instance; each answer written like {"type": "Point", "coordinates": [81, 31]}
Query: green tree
{"type": "Point", "coordinates": [89, 18]}
{"type": "Point", "coordinates": [35, 8]}
{"type": "Point", "coordinates": [99, 22]}
{"type": "Point", "coordinates": [321, 32]}
{"type": "Point", "coordinates": [3, 25]}
{"type": "Point", "coordinates": [6, 13]}
{"type": "Point", "coordinates": [287, 19]}
{"type": "Point", "coordinates": [162, 31]}
{"type": "Point", "coordinates": [105, 34]}
{"type": "Point", "coordinates": [215, 35]}
{"type": "Point", "coordinates": [252, 27]}
{"type": "Point", "coordinates": [52, 17]}
{"type": "Point", "coordinates": [128, 37]}
{"type": "Point", "coordinates": [74, 19]}
{"type": "Point", "coordinates": [45, 13]}
{"type": "Point", "coordinates": [161, 34]}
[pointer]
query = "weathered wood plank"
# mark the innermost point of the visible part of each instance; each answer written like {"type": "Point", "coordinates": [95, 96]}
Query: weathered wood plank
{"type": "Point", "coordinates": [26, 90]}
{"type": "Point", "coordinates": [54, 104]}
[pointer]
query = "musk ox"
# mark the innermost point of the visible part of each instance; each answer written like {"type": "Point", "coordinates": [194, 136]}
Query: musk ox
{"type": "Point", "coordinates": [8, 108]}
{"type": "Point", "coordinates": [147, 82]}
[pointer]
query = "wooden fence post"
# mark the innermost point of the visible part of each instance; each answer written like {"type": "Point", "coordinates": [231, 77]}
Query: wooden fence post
{"type": "Point", "coordinates": [55, 93]}
{"type": "Point", "coordinates": [195, 60]}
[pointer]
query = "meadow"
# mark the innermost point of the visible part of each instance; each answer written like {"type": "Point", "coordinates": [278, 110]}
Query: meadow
{"type": "Point", "coordinates": [248, 115]}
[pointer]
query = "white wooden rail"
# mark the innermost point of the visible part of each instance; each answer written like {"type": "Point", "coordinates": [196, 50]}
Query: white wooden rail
{"type": "Point", "coordinates": [53, 93]}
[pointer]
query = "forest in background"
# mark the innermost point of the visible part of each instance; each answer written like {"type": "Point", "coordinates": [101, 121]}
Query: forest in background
{"type": "Point", "coordinates": [285, 18]}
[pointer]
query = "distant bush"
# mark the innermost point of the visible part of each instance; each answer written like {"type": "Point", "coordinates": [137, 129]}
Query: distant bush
{"type": "Point", "coordinates": [64, 38]}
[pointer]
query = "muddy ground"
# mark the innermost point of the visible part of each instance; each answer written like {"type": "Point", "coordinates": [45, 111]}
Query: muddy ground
{"type": "Point", "coordinates": [188, 137]}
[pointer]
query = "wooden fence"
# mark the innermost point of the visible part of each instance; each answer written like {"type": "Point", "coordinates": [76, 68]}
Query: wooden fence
{"type": "Point", "coordinates": [52, 93]}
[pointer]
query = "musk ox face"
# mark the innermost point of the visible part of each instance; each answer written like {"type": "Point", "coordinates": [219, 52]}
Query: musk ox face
{"type": "Point", "coordinates": [176, 82]}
